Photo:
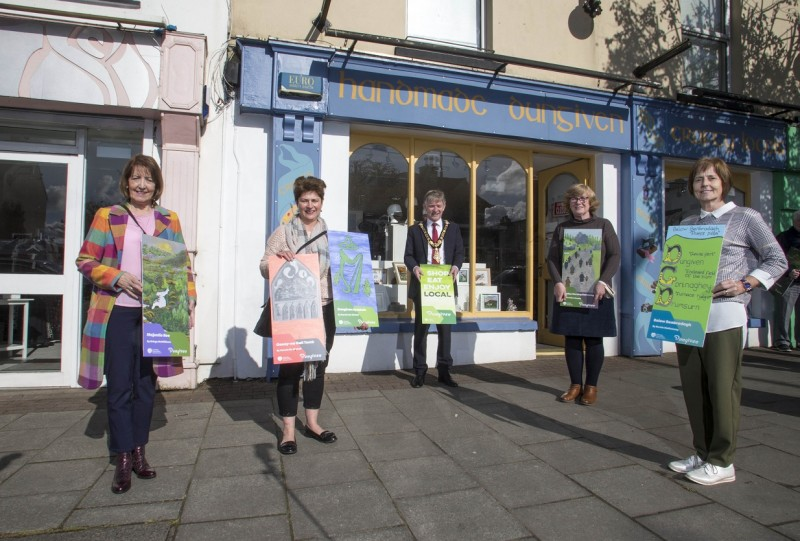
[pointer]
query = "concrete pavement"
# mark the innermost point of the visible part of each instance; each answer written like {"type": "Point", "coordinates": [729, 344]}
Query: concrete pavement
{"type": "Point", "coordinates": [497, 458]}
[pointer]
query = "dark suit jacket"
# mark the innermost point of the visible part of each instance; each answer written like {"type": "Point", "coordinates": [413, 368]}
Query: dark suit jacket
{"type": "Point", "coordinates": [417, 253]}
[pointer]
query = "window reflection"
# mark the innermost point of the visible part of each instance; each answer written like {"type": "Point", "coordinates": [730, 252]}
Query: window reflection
{"type": "Point", "coordinates": [32, 207]}
{"type": "Point", "coordinates": [502, 191]}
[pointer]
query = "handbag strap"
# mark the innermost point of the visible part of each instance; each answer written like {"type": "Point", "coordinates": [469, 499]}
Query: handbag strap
{"type": "Point", "coordinates": [134, 218]}
{"type": "Point", "coordinates": [318, 235]}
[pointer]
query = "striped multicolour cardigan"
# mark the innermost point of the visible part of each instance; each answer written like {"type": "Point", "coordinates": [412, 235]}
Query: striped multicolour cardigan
{"type": "Point", "coordinates": [99, 261]}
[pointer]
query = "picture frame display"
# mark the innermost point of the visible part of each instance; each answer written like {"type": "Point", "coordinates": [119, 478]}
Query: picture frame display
{"type": "Point", "coordinates": [400, 273]}
{"type": "Point", "coordinates": [489, 302]}
{"type": "Point", "coordinates": [483, 277]}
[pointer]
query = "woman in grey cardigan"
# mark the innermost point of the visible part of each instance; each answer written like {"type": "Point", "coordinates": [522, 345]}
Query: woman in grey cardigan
{"type": "Point", "coordinates": [711, 375]}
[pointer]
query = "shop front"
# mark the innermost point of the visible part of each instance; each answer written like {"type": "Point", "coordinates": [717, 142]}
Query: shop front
{"type": "Point", "coordinates": [76, 102]}
{"type": "Point", "coordinates": [381, 133]}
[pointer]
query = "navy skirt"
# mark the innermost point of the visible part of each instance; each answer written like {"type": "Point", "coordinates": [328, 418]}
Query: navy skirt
{"type": "Point", "coordinates": [590, 322]}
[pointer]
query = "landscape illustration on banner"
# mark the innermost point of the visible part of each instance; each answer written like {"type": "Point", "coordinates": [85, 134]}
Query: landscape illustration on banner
{"type": "Point", "coordinates": [351, 275]}
{"type": "Point", "coordinates": [683, 291]}
{"type": "Point", "coordinates": [165, 298]}
{"type": "Point", "coordinates": [581, 266]}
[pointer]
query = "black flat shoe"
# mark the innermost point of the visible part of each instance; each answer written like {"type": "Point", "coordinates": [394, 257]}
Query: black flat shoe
{"type": "Point", "coordinates": [326, 437]}
{"type": "Point", "coordinates": [287, 448]}
{"type": "Point", "coordinates": [418, 381]}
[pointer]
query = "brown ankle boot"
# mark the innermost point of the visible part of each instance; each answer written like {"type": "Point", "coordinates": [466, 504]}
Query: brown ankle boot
{"type": "Point", "coordinates": [589, 395]}
{"type": "Point", "coordinates": [122, 474]}
{"type": "Point", "coordinates": [140, 466]}
{"type": "Point", "coordinates": [572, 393]}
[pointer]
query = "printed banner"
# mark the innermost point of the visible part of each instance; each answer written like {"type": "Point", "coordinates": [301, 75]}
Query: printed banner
{"type": "Point", "coordinates": [351, 274]}
{"type": "Point", "coordinates": [298, 332]}
{"type": "Point", "coordinates": [580, 270]}
{"type": "Point", "coordinates": [438, 295]}
{"type": "Point", "coordinates": [683, 292]}
{"type": "Point", "coordinates": [165, 298]}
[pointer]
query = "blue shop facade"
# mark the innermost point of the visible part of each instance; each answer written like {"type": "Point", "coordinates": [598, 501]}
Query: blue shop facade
{"type": "Point", "coordinates": [381, 132]}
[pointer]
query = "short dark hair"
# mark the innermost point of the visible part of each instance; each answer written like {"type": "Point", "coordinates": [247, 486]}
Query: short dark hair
{"type": "Point", "coordinates": [309, 184]}
{"type": "Point", "coordinates": [148, 163]}
{"type": "Point", "coordinates": [719, 166]}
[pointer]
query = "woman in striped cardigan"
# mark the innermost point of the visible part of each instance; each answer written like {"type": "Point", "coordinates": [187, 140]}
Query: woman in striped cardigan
{"type": "Point", "coordinates": [111, 259]}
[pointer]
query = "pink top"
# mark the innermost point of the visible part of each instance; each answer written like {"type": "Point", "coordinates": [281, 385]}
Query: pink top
{"type": "Point", "coordinates": [132, 254]}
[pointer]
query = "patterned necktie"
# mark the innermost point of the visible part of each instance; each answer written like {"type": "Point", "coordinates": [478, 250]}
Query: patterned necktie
{"type": "Point", "coordinates": [435, 239]}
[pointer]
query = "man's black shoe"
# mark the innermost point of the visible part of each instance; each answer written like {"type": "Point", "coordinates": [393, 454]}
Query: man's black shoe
{"type": "Point", "coordinates": [418, 381]}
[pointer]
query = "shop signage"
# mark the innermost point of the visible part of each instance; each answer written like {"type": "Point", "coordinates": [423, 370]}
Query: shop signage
{"type": "Point", "coordinates": [437, 295]}
{"type": "Point", "coordinates": [473, 106]}
{"type": "Point", "coordinates": [298, 85]}
{"type": "Point", "coordinates": [695, 133]}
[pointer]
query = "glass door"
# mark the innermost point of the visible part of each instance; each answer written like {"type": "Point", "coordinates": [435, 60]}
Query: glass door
{"type": "Point", "coordinates": [552, 184]}
{"type": "Point", "coordinates": [40, 226]}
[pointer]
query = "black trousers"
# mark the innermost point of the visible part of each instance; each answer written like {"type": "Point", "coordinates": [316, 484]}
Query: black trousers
{"type": "Point", "coordinates": [131, 382]}
{"type": "Point", "coordinates": [289, 375]}
{"type": "Point", "coordinates": [444, 360]}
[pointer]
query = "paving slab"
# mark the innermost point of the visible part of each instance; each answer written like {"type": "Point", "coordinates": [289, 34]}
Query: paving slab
{"type": "Point", "coordinates": [335, 468]}
{"type": "Point", "coordinates": [332, 510]}
{"type": "Point", "coordinates": [581, 518]}
{"type": "Point", "coordinates": [124, 514]}
{"type": "Point", "coordinates": [36, 512]}
{"type": "Point", "coordinates": [239, 460]}
{"type": "Point", "coordinates": [710, 522]}
{"type": "Point", "coordinates": [396, 446]}
{"type": "Point", "coordinates": [422, 476]}
{"type": "Point", "coordinates": [466, 514]}
{"type": "Point", "coordinates": [483, 450]}
{"type": "Point", "coordinates": [52, 477]}
{"type": "Point", "coordinates": [578, 455]}
{"type": "Point", "coordinates": [246, 529]}
{"type": "Point", "coordinates": [225, 498]}
{"type": "Point", "coordinates": [521, 484]}
{"type": "Point", "coordinates": [637, 491]}
{"type": "Point", "coordinates": [754, 497]}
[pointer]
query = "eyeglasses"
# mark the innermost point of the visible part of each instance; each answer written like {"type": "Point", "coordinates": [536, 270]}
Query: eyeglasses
{"type": "Point", "coordinates": [578, 199]}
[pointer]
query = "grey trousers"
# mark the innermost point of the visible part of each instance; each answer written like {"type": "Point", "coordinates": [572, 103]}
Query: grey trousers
{"type": "Point", "coordinates": [784, 306]}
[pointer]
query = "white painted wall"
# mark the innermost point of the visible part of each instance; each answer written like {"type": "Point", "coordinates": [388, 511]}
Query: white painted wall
{"type": "Point", "coordinates": [607, 173]}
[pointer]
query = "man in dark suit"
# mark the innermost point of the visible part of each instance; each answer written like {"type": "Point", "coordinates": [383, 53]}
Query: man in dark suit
{"type": "Point", "coordinates": [435, 241]}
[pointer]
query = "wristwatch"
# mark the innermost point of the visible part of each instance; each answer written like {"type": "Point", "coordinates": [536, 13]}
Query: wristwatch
{"type": "Point", "coordinates": [747, 286]}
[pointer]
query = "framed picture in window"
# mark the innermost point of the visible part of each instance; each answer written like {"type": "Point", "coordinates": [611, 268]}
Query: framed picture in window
{"type": "Point", "coordinates": [483, 277]}
{"type": "Point", "coordinates": [400, 273]}
{"type": "Point", "coordinates": [489, 302]}
{"type": "Point", "coordinates": [463, 276]}
{"type": "Point", "coordinates": [377, 276]}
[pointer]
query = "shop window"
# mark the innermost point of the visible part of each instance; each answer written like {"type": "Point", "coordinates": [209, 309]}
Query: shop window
{"type": "Point", "coordinates": [487, 200]}
{"type": "Point", "coordinates": [501, 221]}
{"type": "Point", "coordinates": [32, 210]}
{"type": "Point", "coordinates": [449, 22]}
{"type": "Point", "coordinates": [705, 23]}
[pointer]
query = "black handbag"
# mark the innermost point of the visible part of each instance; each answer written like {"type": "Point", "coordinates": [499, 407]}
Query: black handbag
{"type": "Point", "coordinates": [264, 324]}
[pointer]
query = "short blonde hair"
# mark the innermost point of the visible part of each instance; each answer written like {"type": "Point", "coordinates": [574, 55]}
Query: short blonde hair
{"type": "Point", "coordinates": [582, 190]}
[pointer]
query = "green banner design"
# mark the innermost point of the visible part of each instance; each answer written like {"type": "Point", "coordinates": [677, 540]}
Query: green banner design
{"type": "Point", "coordinates": [438, 295]}
{"type": "Point", "coordinates": [683, 291]}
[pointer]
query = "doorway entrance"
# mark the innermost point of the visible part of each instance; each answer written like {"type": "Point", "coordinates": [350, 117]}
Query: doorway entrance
{"type": "Point", "coordinates": [553, 182]}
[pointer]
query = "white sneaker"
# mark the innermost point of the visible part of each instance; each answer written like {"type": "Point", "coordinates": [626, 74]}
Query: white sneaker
{"type": "Point", "coordinates": [712, 475]}
{"type": "Point", "coordinates": [687, 464]}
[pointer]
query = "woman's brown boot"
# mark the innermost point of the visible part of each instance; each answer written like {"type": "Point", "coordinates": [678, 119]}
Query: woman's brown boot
{"type": "Point", "coordinates": [589, 395]}
{"type": "Point", "coordinates": [572, 393]}
{"type": "Point", "coordinates": [122, 474]}
{"type": "Point", "coordinates": [140, 466]}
